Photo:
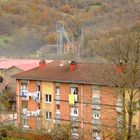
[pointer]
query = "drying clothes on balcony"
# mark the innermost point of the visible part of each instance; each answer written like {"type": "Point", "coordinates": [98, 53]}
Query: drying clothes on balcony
{"type": "Point", "coordinates": [71, 99]}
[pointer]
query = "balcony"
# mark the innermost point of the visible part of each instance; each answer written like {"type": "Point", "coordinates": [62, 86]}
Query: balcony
{"type": "Point", "coordinates": [28, 113]}
{"type": "Point", "coordinates": [57, 99]}
{"type": "Point", "coordinates": [96, 121]}
{"type": "Point", "coordinates": [34, 95]}
{"type": "Point", "coordinates": [96, 102]}
{"type": "Point", "coordinates": [119, 106]}
{"type": "Point", "coordinates": [74, 118]}
{"type": "Point", "coordinates": [75, 97]}
{"type": "Point", "coordinates": [57, 117]}
{"type": "Point", "coordinates": [24, 95]}
{"type": "Point", "coordinates": [96, 127]}
{"type": "Point", "coordinates": [96, 106]}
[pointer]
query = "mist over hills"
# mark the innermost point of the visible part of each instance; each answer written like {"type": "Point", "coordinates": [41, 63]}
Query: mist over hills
{"type": "Point", "coordinates": [27, 25]}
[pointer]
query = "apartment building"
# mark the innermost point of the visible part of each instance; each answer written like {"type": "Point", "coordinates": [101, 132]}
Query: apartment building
{"type": "Point", "coordinates": [61, 92]}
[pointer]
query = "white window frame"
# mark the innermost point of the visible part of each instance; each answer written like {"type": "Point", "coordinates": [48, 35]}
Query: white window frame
{"type": "Point", "coordinates": [72, 111]}
{"type": "Point", "coordinates": [24, 89]}
{"type": "Point", "coordinates": [48, 115]}
{"type": "Point", "coordinates": [38, 88]}
{"type": "Point", "coordinates": [96, 114]}
{"type": "Point", "coordinates": [57, 90]}
{"type": "Point", "coordinates": [25, 122]}
{"type": "Point", "coordinates": [49, 97]}
{"type": "Point", "coordinates": [95, 97]}
{"type": "Point", "coordinates": [119, 104]}
{"type": "Point", "coordinates": [73, 89]}
{"type": "Point", "coordinates": [24, 86]}
{"type": "Point", "coordinates": [57, 110]}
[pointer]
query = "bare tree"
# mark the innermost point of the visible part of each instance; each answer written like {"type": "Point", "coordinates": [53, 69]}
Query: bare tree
{"type": "Point", "coordinates": [122, 49]}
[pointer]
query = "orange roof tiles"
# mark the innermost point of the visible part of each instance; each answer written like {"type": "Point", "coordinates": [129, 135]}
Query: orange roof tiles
{"type": "Point", "coordinates": [88, 73]}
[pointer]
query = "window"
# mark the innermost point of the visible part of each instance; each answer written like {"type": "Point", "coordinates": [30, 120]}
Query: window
{"type": "Point", "coordinates": [74, 111]}
{"type": "Point", "coordinates": [37, 96]}
{"type": "Point", "coordinates": [38, 105]}
{"type": "Point", "coordinates": [24, 89]}
{"type": "Point", "coordinates": [119, 121]}
{"type": "Point", "coordinates": [24, 86]}
{"type": "Point", "coordinates": [57, 108]}
{"type": "Point", "coordinates": [96, 114]}
{"type": "Point", "coordinates": [119, 104]}
{"type": "Point", "coordinates": [25, 122]}
{"type": "Point", "coordinates": [74, 90]}
{"type": "Point", "coordinates": [48, 115]}
{"type": "Point", "coordinates": [57, 90]}
{"type": "Point", "coordinates": [96, 135]}
{"type": "Point", "coordinates": [38, 87]}
{"type": "Point", "coordinates": [95, 97]}
{"type": "Point", "coordinates": [75, 134]}
{"type": "Point", "coordinates": [95, 100]}
{"type": "Point", "coordinates": [48, 98]}
{"type": "Point", "coordinates": [57, 125]}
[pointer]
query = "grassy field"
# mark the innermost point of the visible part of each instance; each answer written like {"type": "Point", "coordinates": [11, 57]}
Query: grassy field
{"type": "Point", "coordinates": [5, 39]}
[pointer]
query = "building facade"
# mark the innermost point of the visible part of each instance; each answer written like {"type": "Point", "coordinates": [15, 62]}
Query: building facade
{"type": "Point", "coordinates": [59, 93]}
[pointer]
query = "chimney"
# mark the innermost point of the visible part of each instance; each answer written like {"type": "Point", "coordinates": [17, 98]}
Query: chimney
{"type": "Point", "coordinates": [72, 65]}
{"type": "Point", "coordinates": [118, 69]}
{"type": "Point", "coordinates": [42, 64]}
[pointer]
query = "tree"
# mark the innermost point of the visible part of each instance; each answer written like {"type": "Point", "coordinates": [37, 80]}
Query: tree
{"type": "Point", "coordinates": [122, 49]}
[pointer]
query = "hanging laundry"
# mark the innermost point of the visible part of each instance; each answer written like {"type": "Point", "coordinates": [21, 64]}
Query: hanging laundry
{"type": "Point", "coordinates": [71, 99]}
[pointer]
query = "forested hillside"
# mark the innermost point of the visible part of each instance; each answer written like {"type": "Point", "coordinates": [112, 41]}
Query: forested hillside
{"type": "Point", "coordinates": [27, 25]}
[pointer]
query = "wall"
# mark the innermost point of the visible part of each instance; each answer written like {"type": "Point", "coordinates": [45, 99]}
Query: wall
{"type": "Point", "coordinates": [32, 105]}
{"type": "Point", "coordinates": [47, 88]}
{"type": "Point", "coordinates": [11, 80]}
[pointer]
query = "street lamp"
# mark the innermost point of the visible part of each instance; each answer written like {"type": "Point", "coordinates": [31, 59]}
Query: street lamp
{"type": "Point", "coordinates": [13, 109]}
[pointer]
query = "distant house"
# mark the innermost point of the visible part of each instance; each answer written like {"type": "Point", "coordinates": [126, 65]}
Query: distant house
{"type": "Point", "coordinates": [9, 67]}
{"type": "Point", "coordinates": [10, 82]}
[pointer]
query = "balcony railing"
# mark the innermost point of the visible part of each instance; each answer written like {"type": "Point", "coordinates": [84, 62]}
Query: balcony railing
{"type": "Point", "coordinates": [57, 117]}
{"type": "Point", "coordinates": [57, 99]}
{"type": "Point", "coordinates": [34, 95]}
{"type": "Point", "coordinates": [74, 118]}
{"type": "Point", "coordinates": [96, 121]}
{"type": "Point", "coordinates": [28, 113]}
{"type": "Point", "coordinates": [96, 106]}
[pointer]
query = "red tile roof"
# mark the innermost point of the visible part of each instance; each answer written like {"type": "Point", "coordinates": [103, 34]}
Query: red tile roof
{"type": "Point", "coordinates": [89, 73]}
{"type": "Point", "coordinates": [86, 73]}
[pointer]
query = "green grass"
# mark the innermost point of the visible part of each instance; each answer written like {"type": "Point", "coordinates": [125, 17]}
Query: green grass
{"type": "Point", "coordinates": [5, 0]}
{"type": "Point", "coordinates": [95, 6]}
{"type": "Point", "coordinates": [5, 39]}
